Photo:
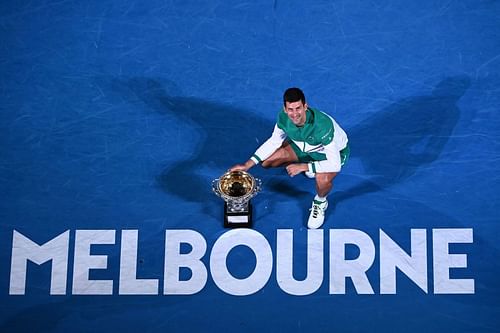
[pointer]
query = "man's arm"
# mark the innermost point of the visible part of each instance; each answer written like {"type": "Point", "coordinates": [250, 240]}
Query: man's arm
{"type": "Point", "coordinates": [264, 151]}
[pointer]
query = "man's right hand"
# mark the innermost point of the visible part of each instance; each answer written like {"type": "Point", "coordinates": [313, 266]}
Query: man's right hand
{"type": "Point", "coordinates": [238, 167]}
{"type": "Point", "coordinates": [242, 167]}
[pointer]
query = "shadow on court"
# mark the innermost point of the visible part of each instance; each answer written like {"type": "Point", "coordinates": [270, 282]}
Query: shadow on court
{"type": "Point", "coordinates": [392, 144]}
{"type": "Point", "coordinates": [401, 138]}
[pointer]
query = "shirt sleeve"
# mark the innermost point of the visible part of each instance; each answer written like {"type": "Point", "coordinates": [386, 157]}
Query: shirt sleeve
{"type": "Point", "coordinates": [332, 162]}
{"type": "Point", "coordinates": [269, 146]}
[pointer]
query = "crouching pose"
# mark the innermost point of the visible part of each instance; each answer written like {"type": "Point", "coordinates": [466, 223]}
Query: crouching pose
{"type": "Point", "coordinates": [304, 140]}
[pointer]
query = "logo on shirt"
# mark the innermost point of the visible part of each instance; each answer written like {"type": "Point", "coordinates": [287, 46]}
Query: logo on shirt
{"type": "Point", "coordinates": [327, 135]}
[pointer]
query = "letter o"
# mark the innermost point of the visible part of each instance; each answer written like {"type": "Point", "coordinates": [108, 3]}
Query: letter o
{"type": "Point", "coordinates": [263, 267]}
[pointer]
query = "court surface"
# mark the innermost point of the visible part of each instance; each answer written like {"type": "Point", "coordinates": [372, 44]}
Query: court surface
{"type": "Point", "coordinates": [117, 115]}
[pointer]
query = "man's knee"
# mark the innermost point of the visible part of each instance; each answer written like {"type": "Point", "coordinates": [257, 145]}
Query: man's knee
{"type": "Point", "coordinates": [325, 178]}
{"type": "Point", "coordinates": [271, 162]}
{"type": "Point", "coordinates": [280, 157]}
{"type": "Point", "coordinates": [266, 164]}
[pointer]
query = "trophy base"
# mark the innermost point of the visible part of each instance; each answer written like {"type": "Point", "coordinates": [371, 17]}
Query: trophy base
{"type": "Point", "coordinates": [238, 219]}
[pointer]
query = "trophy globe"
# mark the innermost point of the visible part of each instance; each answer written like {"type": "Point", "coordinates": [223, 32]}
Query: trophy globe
{"type": "Point", "coordinates": [236, 188]}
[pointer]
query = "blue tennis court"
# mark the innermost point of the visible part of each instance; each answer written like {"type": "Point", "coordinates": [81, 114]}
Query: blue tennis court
{"type": "Point", "coordinates": [117, 115]}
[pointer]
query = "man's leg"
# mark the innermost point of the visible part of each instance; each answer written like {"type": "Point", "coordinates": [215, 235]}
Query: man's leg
{"type": "Point", "coordinates": [282, 156]}
{"type": "Point", "coordinates": [324, 184]}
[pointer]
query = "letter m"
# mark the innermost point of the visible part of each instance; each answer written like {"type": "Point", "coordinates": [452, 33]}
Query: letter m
{"type": "Point", "coordinates": [23, 249]}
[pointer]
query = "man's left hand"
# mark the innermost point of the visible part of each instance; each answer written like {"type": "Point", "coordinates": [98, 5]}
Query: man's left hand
{"type": "Point", "coordinates": [296, 168]}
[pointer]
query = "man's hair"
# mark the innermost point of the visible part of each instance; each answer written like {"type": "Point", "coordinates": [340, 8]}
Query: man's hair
{"type": "Point", "coordinates": [292, 95]}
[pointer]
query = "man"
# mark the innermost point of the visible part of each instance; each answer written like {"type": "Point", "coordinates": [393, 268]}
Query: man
{"type": "Point", "coordinates": [304, 140]}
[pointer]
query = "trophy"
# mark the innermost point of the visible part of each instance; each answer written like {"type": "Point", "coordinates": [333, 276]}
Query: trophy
{"type": "Point", "coordinates": [236, 188]}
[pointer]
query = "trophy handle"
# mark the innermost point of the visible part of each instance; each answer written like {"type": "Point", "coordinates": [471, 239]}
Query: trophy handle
{"type": "Point", "coordinates": [258, 185]}
{"type": "Point", "coordinates": [215, 187]}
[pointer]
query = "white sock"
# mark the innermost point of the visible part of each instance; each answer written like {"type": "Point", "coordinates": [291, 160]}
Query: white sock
{"type": "Point", "coordinates": [318, 198]}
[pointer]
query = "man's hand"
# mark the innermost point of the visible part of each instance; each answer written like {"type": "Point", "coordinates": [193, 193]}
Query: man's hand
{"type": "Point", "coordinates": [296, 168]}
{"type": "Point", "coordinates": [238, 167]}
{"type": "Point", "coordinates": [242, 167]}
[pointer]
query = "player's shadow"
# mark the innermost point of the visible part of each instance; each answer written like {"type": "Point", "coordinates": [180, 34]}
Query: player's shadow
{"type": "Point", "coordinates": [223, 135]}
{"type": "Point", "coordinates": [404, 136]}
{"type": "Point", "coordinates": [392, 144]}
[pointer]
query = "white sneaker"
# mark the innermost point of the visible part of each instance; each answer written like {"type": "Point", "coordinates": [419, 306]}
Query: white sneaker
{"type": "Point", "coordinates": [317, 216]}
{"type": "Point", "coordinates": [309, 174]}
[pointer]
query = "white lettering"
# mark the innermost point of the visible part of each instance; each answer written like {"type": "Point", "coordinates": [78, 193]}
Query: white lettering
{"type": "Point", "coordinates": [284, 265]}
{"type": "Point", "coordinates": [351, 255]}
{"type": "Point", "coordinates": [392, 256]}
{"type": "Point", "coordinates": [341, 268]}
{"type": "Point", "coordinates": [129, 284]}
{"type": "Point", "coordinates": [263, 268]}
{"type": "Point", "coordinates": [443, 261]}
{"type": "Point", "coordinates": [84, 262]}
{"type": "Point", "coordinates": [174, 260]}
{"type": "Point", "coordinates": [55, 250]}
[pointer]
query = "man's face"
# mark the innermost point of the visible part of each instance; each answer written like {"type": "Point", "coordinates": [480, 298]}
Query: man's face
{"type": "Point", "coordinates": [296, 111]}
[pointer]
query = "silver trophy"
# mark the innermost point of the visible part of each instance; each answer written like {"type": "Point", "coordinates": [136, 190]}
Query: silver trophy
{"type": "Point", "coordinates": [236, 188]}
